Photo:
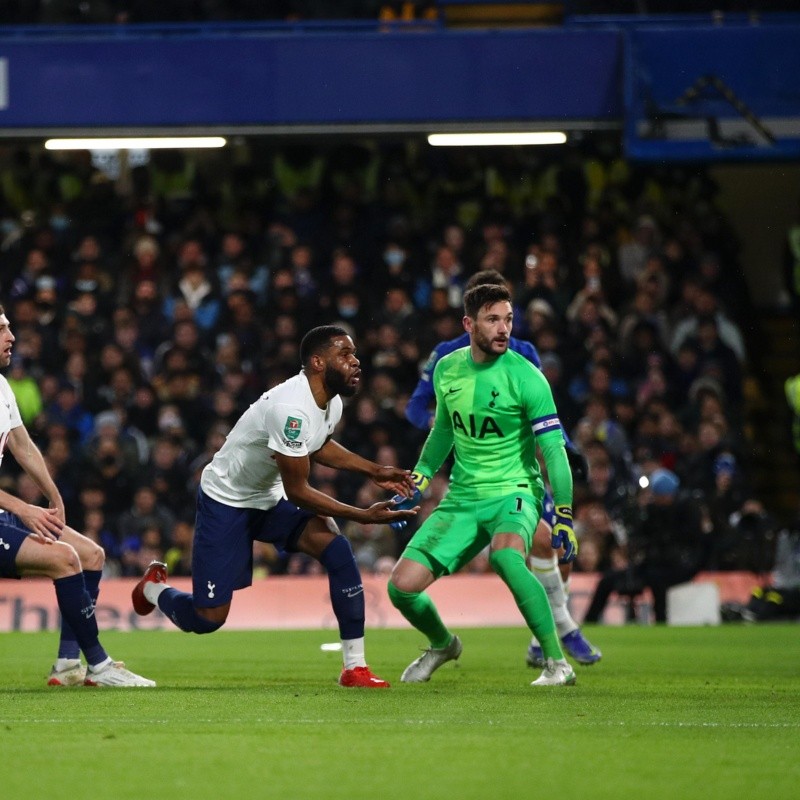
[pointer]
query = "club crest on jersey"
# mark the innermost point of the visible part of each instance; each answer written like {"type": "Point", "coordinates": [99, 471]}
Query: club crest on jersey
{"type": "Point", "coordinates": [292, 428]}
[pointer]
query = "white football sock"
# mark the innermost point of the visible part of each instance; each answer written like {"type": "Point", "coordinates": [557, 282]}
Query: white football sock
{"type": "Point", "coordinates": [353, 653]}
{"type": "Point", "coordinates": [546, 570]}
{"type": "Point", "coordinates": [152, 591]}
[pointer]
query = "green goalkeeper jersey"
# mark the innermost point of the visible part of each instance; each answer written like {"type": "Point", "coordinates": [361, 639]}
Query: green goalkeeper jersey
{"type": "Point", "coordinates": [493, 414]}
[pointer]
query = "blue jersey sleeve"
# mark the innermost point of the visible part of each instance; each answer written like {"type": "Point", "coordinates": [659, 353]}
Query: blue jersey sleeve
{"type": "Point", "coordinates": [419, 409]}
{"type": "Point", "coordinates": [527, 350]}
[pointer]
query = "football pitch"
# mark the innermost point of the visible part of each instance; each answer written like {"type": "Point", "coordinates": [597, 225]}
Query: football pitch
{"type": "Point", "coordinates": [669, 713]}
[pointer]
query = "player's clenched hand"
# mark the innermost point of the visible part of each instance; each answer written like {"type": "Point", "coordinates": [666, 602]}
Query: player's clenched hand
{"type": "Point", "coordinates": [563, 535]}
{"type": "Point", "coordinates": [394, 479]}
{"type": "Point", "coordinates": [419, 485]}
{"type": "Point", "coordinates": [387, 512]}
{"type": "Point", "coordinates": [45, 524]}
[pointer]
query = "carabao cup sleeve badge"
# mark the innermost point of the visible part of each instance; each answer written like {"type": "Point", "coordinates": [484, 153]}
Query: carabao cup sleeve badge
{"type": "Point", "coordinates": [292, 428]}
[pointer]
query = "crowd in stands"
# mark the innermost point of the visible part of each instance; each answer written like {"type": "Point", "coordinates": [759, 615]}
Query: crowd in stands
{"type": "Point", "coordinates": [151, 307]}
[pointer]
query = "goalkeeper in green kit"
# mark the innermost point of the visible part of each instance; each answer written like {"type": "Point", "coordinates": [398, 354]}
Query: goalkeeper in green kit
{"type": "Point", "coordinates": [492, 407]}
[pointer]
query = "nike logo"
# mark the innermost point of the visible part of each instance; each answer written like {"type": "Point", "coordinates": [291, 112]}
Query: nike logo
{"type": "Point", "coordinates": [453, 390]}
{"type": "Point", "coordinates": [355, 593]}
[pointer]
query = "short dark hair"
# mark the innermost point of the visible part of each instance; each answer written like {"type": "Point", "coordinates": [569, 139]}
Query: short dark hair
{"type": "Point", "coordinates": [490, 276]}
{"type": "Point", "coordinates": [483, 295]}
{"type": "Point", "coordinates": [317, 340]}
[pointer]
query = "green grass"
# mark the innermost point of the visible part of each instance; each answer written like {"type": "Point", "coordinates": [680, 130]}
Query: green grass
{"type": "Point", "coordinates": [669, 713]}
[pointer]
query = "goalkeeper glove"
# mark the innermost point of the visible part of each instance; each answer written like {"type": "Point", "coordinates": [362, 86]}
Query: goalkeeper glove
{"type": "Point", "coordinates": [401, 502]}
{"type": "Point", "coordinates": [563, 535]}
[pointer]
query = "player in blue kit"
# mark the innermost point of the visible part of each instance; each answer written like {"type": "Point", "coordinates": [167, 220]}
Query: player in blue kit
{"type": "Point", "coordinates": [544, 564]}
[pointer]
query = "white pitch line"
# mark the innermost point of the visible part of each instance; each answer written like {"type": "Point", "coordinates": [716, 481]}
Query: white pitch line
{"type": "Point", "coordinates": [393, 721]}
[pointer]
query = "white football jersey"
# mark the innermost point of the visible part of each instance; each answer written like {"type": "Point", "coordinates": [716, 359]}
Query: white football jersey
{"type": "Point", "coordinates": [9, 414]}
{"type": "Point", "coordinates": [285, 420]}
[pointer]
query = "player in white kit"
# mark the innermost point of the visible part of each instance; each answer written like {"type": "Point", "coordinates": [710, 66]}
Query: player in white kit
{"type": "Point", "coordinates": [257, 488]}
{"type": "Point", "coordinates": [37, 542]}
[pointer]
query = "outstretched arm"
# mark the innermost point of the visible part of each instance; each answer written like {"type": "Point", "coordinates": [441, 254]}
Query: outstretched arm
{"type": "Point", "coordinates": [294, 474]}
{"type": "Point", "coordinates": [393, 479]}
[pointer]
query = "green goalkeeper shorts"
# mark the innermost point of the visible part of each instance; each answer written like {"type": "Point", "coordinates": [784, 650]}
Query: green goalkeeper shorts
{"type": "Point", "coordinates": [458, 530]}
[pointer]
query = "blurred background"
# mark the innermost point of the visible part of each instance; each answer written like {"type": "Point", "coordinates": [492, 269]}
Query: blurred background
{"type": "Point", "coordinates": [654, 252]}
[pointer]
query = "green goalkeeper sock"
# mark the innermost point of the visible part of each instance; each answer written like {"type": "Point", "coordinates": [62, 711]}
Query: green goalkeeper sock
{"type": "Point", "coordinates": [530, 597]}
{"type": "Point", "coordinates": [419, 610]}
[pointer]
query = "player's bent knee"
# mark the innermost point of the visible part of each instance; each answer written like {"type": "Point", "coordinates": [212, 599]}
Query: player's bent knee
{"type": "Point", "coordinates": [203, 625]}
{"type": "Point", "coordinates": [64, 560]}
{"type": "Point", "coordinates": [404, 584]}
{"type": "Point", "coordinates": [398, 596]}
{"type": "Point", "coordinates": [318, 534]}
{"type": "Point", "coordinates": [94, 558]}
{"type": "Point", "coordinates": [505, 560]}
{"type": "Point", "coordinates": [542, 547]}
{"type": "Point", "coordinates": [91, 555]}
{"type": "Point", "coordinates": [208, 620]}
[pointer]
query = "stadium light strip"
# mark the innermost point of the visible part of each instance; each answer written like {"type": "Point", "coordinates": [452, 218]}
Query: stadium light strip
{"type": "Point", "coordinates": [137, 143]}
{"type": "Point", "coordinates": [502, 139]}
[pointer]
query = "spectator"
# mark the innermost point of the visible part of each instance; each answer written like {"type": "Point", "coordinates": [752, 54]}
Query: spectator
{"type": "Point", "coordinates": [597, 425]}
{"type": "Point", "coordinates": [598, 537]}
{"type": "Point", "coordinates": [716, 359]}
{"type": "Point", "coordinates": [146, 304]}
{"type": "Point", "coordinates": [301, 263]}
{"type": "Point", "coordinates": [666, 546]}
{"type": "Point", "coordinates": [234, 258]}
{"type": "Point", "coordinates": [26, 390]}
{"type": "Point", "coordinates": [727, 503]}
{"type": "Point", "coordinates": [138, 553]}
{"type": "Point", "coordinates": [240, 320]}
{"type": "Point", "coordinates": [792, 390]}
{"type": "Point", "coordinates": [633, 254]}
{"type": "Point", "coordinates": [704, 305]}
{"type": "Point", "coordinates": [194, 288]}
{"type": "Point", "coordinates": [145, 266]}
{"type": "Point", "coordinates": [96, 529]}
{"type": "Point", "coordinates": [543, 280]}
{"type": "Point", "coordinates": [446, 272]}
{"type": "Point", "coordinates": [178, 556]}
{"type": "Point", "coordinates": [145, 512]}
{"type": "Point", "coordinates": [106, 465]}
{"type": "Point", "coordinates": [791, 273]}
{"type": "Point", "coordinates": [68, 410]}
{"type": "Point", "coordinates": [779, 597]}
{"type": "Point", "coordinates": [168, 470]}
{"type": "Point", "coordinates": [35, 266]}
{"type": "Point", "coordinates": [398, 268]}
